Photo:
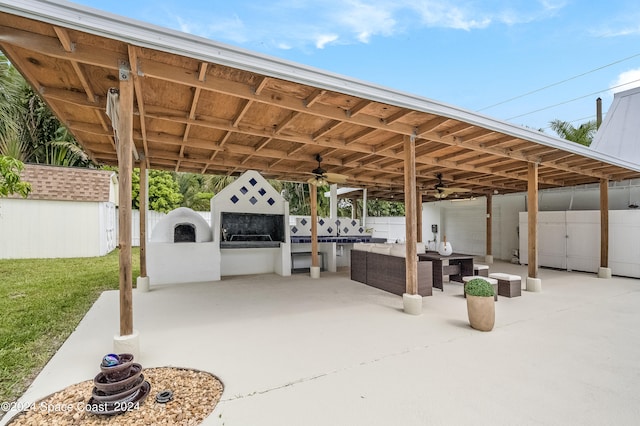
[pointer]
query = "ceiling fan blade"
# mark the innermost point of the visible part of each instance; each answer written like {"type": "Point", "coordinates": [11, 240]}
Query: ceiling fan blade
{"type": "Point", "coordinates": [452, 190]}
{"type": "Point", "coordinates": [335, 177]}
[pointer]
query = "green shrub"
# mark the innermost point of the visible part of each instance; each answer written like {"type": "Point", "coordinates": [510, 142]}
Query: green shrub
{"type": "Point", "coordinates": [479, 287]}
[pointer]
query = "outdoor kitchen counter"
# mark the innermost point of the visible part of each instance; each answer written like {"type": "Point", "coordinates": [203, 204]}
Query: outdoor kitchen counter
{"type": "Point", "coordinates": [248, 244]}
{"type": "Point", "coordinates": [339, 240]}
{"type": "Point", "coordinates": [335, 250]}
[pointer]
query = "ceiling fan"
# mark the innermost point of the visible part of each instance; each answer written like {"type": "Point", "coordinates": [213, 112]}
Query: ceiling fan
{"type": "Point", "coordinates": [322, 177]}
{"type": "Point", "coordinates": [440, 190]}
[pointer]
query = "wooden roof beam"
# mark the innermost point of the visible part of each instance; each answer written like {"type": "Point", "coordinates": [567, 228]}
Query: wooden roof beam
{"type": "Point", "coordinates": [313, 97]}
{"type": "Point", "coordinates": [163, 71]}
{"type": "Point", "coordinates": [71, 97]}
{"type": "Point", "coordinates": [394, 142]}
{"type": "Point", "coordinates": [244, 108]}
{"type": "Point", "coordinates": [68, 46]}
{"type": "Point", "coordinates": [356, 109]}
{"type": "Point", "coordinates": [303, 140]}
{"type": "Point", "coordinates": [284, 123]}
{"type": "Point", "coordinates": [396, 116]}
{"type": "Point", "coordinates": [430, 125]}
{"type": "Point", "coordinates": [52, 47]}
{"type": "Point", "coordinates": [138, 91]}
{"type": "Point", "coordinates": [359, 135]}
{"type": "Point", "coordinates": [262, 83]}
{"type": "Point", "coordinates": [223, 141]}
{"type": "Point", "coordinates": [101, 57]}
{"type": "Point", "coordinates": [331, 125]}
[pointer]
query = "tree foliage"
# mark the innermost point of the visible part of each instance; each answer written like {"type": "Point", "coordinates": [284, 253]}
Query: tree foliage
{"type": "Point", "coordinates": [582, 134]}
{"type": "Point", "coordinates": [29, 131]}
{"type": "Point", "coordinates": [10, 182]}
{"type": "Point", "coordinates": [164, 192]}
{"type": "Point", "coordinates": [196, 191]}
{"type": "Point", "coordinates": [10, 109]}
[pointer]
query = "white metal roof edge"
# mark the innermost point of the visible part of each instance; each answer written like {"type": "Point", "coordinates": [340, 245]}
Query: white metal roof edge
{"type": "Point", "coordinates": [101, 23]}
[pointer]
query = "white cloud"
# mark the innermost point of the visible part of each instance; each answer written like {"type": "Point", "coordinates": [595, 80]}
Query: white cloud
{"type": "Point", "coordinates": [618, 32]}
{"type": "Point", "coordinates": [443, 14]}
{"type": "Point", "coordinates": [626, 80]}
{"type": "Point", "coordinates": [228, 29]}
{"type": "Point", "coordinates": [299, 24]}
{"type": "Point", "coordinates": [366, 20]}
{"type": "Point", "coordinates": [619, 26]}
{"type": "Point", "coordinates": [323, 40]}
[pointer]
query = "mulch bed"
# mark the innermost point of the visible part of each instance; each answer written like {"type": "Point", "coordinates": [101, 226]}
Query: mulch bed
{"type": "Point", "coordinates": [195, 395]}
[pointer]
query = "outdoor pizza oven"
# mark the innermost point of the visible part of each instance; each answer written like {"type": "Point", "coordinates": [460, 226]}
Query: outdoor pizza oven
{"type": "Point", "coordinates": [181, 249]}
{"type": "Point", "coordinates": [181, 225]}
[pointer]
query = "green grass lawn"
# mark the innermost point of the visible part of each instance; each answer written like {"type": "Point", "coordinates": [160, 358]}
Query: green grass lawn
{"type": "Point", "coordinates": [41, 303]}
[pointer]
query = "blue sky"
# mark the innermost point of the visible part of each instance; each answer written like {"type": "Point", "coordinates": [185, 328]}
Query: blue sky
{"type": "Point", "coordinates": [477, 55]}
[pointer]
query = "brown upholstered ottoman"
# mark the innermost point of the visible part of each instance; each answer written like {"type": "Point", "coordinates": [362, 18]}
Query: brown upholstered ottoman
{"type": "Point", "coordinates": [508, 285]}
{"type": "Point", "coordinates": [481, 270]}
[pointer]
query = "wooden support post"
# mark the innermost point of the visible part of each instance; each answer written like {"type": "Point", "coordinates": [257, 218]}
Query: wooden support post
{"type": "Point", "coordinates": [313, 193]}
{"type": "Point", "coordinates": [532, 208]}
{"type": "Point", "coordinates": [143, 216]}
{"type": "Point", "coordinates": [419, 216]}
{"type": "Point", "coordinates": [489, 225]}
{"type": "Point", "coordinates": [363, 221]}
{"type": "Point", "coordinates": [125, 170]}
{"type": "Point", "coordinates": [604, 223]}
{"type": "Point", "coordinates": [410, 214]}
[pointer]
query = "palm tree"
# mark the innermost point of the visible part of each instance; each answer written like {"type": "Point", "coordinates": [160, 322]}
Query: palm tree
{"type": "Point", "coordinates": [583, 134]}
{"type": "Point", "coordinates": [298, 196]}
{"type": "Point", "coordinates": [10, 110]}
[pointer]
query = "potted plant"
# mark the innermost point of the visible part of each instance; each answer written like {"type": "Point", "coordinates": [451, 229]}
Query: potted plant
{"type": "Point", "coordinates": [480, 304]}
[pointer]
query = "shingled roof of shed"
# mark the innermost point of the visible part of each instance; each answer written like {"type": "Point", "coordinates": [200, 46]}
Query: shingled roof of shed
{"type": "Point", "coordinates": [67, 183]}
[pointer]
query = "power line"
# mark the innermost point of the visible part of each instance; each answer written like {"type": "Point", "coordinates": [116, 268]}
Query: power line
{"type": "Point", "coordinates": [558, 83]}
{"type": "Point", "coordinates": [572, 100]}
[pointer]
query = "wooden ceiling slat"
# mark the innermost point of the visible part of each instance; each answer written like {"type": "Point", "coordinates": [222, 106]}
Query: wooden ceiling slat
{"type": "Point", "coordinates": [396, 116]}
{"type": "Point", "coordinates": [355, 110]}
{"type": "Point", "coordinates": [69, 46]}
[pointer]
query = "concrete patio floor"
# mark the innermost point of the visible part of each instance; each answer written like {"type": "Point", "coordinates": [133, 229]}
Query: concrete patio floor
{"type": "Point", "coordinates": [298, 351]}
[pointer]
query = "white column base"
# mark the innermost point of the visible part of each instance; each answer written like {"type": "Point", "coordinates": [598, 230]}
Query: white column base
{"type": "Point", "coordinates": [488, 259]}
{"type": "Point", "coordinates": [412, 304]}
{"type": "Point", "coordinates": [604, 272]}
{"type": "Point", "coordinates": [534, 284]}
{"type": "Point", "coordinates": [142, 284]}
{"type": "Point", "coordinates": [315, 272]}
{"type": "Point", "coordinates": [128, 344]}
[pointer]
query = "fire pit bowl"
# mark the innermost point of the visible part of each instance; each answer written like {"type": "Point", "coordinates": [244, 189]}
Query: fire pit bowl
{"type": "Point", "coordinates": [120, 371]}
{"type": "Point", "coordinates": [102, 384]}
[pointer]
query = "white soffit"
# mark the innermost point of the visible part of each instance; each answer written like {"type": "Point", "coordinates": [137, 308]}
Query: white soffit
{"type": "Point", "coordinates": [619, 133]}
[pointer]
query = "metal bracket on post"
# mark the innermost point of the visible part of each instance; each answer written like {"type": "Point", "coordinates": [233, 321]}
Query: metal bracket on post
{"type": "Point", "coordinates": [124, 71]}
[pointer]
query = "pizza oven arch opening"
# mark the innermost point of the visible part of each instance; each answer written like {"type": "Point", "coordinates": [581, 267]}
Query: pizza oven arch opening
{"type": "Point", "coordinates": [184, 233]}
